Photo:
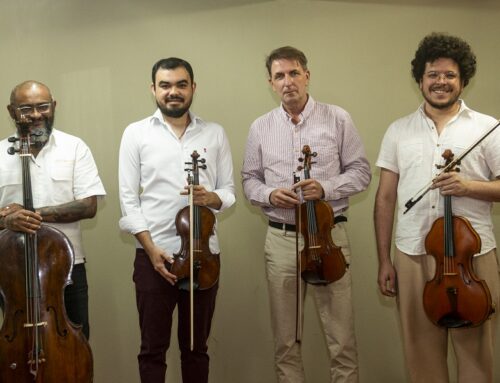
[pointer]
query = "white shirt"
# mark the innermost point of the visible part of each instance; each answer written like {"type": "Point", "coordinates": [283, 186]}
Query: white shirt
{"type": "Point", "coordinates": [152, 175]}
{"type": "Point", "coordinates": [62, 172]}
{"type": "Point", "coordinates": [412, 148]}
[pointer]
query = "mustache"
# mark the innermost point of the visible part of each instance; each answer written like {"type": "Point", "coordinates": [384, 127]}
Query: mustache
{"type": "Point", "coordinates": [175, 98]}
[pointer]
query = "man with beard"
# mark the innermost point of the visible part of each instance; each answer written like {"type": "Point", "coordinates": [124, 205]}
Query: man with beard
{"type": "Point", "coordinates": [410, 151]}
{"type": "Point", "coordinates": [152, 177]}
{"type": "Point", "coordinates": [64, 180]}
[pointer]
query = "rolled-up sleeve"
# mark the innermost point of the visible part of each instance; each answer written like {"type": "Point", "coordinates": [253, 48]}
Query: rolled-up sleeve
{"type": "Point", "coordinates": [129, 174]}
{"type": "Point", "coordinates": [224, 187]}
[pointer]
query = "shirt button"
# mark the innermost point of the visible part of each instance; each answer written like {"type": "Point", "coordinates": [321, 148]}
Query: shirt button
{"type": "Point", "coordinates": [433, 206]}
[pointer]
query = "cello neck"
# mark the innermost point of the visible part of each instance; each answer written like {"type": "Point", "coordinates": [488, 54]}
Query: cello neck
{"type": "Point", "coordinates": [25, 154]}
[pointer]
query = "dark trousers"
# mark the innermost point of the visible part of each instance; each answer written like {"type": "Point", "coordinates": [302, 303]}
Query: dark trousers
{"type": "Point", "coordinates": [156, 301]}
{"type": "Point", "coordinates": [75, 298]}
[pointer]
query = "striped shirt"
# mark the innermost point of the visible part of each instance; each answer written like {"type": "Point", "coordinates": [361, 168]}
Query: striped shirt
{"type": "Point", "coordinates": [275, 144]}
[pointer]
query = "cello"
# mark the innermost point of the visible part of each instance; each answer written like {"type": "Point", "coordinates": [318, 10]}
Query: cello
{"type": "Point", "coordinates": [38, 343]}
{"type": "Point", "coordinates": [455, 297]}
{"type": "Point", "coordinates": [321, 261]}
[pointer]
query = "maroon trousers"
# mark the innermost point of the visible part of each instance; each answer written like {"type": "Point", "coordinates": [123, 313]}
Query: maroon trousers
{"type": "Point", "coordinates": [156, 301]}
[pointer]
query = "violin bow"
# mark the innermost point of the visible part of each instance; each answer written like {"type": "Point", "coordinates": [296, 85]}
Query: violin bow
{"type": "Point", "coordinates": [191, 254]}
{"type": "Point", "coordinates": [298, 311]}
{"type": "Point", "coordinates": [456, 161]}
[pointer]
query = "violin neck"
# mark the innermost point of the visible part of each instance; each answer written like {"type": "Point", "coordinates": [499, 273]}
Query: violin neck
{"type": "Point", "coordinates": [196, 210]}
{"type": "Point", "coordinates": [448, 228]}
{"type": "Point", "coordinates": [312, 226]}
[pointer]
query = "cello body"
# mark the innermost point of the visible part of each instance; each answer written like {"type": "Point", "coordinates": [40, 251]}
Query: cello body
{"type": "Point", "coordinates": [58, 351]}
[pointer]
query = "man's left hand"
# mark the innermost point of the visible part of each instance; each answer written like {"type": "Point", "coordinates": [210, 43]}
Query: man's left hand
{"type": "Point", "coordinates": [451, 184]}
{"type": "Point", "coordinates": [311, 189]}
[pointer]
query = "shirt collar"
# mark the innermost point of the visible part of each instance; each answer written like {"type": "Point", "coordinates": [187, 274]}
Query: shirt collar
{"type": "Point", "coordinates": [463, 110]}
{"type": "Point", "coordinates": [195, 120]}
{"type": "Point", "coordinates": [305, 112]}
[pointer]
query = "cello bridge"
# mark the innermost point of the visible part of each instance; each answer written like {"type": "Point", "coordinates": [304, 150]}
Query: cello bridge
{"type": "Point", "coordinates": [39, 324]}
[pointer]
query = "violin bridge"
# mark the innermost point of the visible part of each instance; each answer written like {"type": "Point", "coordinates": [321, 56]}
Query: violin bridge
{"type": "Point", "coordinates": [40, 324]}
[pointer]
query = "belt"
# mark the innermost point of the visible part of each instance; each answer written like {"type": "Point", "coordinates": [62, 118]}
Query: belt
{"type": "Point", "coordinates": [290, 227]}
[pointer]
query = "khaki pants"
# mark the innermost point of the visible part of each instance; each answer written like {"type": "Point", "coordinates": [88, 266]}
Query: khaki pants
{"type": "Point", "coordinates": [333, 303]}
{"type": "Point", "coordinates": [426, 345]}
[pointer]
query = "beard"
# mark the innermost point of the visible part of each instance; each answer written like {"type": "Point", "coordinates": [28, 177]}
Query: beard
{"type": "Point", "coordinates": [40, 135]}
{"type": "Point", "coordinates": [441, 105]}
{"type": "Point", "coordinates": [175, 112]}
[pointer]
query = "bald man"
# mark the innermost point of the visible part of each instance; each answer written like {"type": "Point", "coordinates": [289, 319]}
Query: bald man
{"type": "Point", "coordinates": [64, 181]}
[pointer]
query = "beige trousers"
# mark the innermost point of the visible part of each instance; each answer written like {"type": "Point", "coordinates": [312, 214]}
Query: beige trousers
{"type": "Point", "coordinates": [426, 345]}
{"type": "Point", "coordinates": [333, 303]}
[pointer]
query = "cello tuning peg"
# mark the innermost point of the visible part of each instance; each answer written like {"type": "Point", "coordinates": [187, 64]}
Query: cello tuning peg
{"type": "Point", "coordinates": [300, 168]}
{"type": "Point", "coordinates": [301, 159]}
{"type": "Point", "coordinates": [202, 160]}
{"type": "Point", "coordinates": [12, 150]}
{"type": "Point", "coordinates": [314, 154]}
{"type": "Point", "coordinates": [13, 139]}
{"type": "Point", "coordinates": [203, 166]}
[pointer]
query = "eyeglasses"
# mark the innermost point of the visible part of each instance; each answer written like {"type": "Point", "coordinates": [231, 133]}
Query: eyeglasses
{"type": "Point", "coordinates": [30, 109]}
{"type": "Point", "coordinates": [450, 76]}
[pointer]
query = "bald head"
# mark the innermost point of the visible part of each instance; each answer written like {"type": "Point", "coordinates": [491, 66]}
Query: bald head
{"type": "Point", "coordinates": [29, 86]}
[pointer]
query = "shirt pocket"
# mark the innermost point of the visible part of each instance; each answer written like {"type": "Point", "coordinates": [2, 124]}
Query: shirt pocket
{"type": "Point", "coordinates": [11, 186]}
{"type": "Point", "coordinates": [10, 177]}
{"type": "Point", "coordinates": [410, 154]}
{"type": "Point", "coordinates": [61, 175]}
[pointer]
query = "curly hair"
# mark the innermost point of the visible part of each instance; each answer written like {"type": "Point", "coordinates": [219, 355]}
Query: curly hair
{"type": "Point", "coordinates": [440, 45]}
{"type": "Point", "coordinates": [287, 53]}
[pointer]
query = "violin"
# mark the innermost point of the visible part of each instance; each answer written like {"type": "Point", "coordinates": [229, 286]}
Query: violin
{"type": "Point", "coordinates": [194, 262]}
{"type": "Point", "coordinates": [38, 343]}
{"type": "Point", "coordinates": [321, 261]}
{"type": "Point", "coordinates": [455, 297]}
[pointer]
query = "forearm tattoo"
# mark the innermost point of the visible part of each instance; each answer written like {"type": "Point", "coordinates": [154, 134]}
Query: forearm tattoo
{"type": "Point", "coordinates": [71, 211]}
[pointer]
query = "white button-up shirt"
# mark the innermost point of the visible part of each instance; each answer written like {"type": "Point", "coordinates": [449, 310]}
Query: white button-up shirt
{"type": "Point", "coordinates": [62, 172]}
{"type": "Point", "coordinates": [152, 175]}
{"type": "Point", "coordinates": [412, 148]}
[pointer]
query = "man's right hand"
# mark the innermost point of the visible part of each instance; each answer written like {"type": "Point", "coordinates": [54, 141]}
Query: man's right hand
{"type": "Point", "coordinates": [387, 279]}
{"type": "Point", "coordinates": [158, 257]}
{"type": "Point", "coordinates": [284, 198]}
{"type": "Point", "coordinates": [16, 218]}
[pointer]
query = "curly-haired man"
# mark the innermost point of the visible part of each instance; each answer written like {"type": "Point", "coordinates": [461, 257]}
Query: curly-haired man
{"type": "Point", "coordinates": [410, 151]}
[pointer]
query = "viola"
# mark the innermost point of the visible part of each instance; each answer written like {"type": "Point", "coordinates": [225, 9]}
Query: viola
{"type": "Point", "coordinates": [455, 297]}
{"type": "Point", "coordinates": [38, 343]}
{"type": "Point", "coordinates": [194, 262]}
{"type": "Point", "coordinates": [321, 261]}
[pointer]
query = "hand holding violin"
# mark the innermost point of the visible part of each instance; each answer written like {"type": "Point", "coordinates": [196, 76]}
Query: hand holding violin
{"type": "Point", "coordinates": [451, 183]}
{"type": "Point", "coordinates": [311, 189]}
{"type": "Point", "coordinates": [284, 198]}
{"type": "Point", "coordinates": [202, 197]}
